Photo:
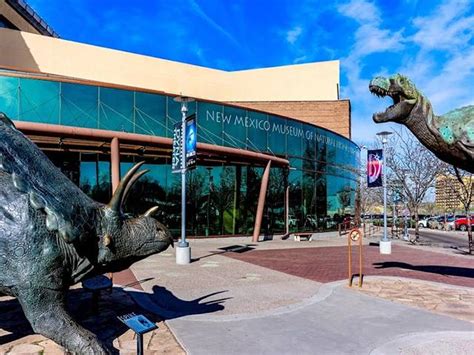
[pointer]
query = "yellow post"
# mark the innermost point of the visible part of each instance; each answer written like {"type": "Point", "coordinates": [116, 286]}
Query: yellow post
{"type": "Point", "coordinates": [349, 248]}
{"type": "Point", "coordinates": [360, 261]}
{"type": "Point", "coordinates": [354, 235]}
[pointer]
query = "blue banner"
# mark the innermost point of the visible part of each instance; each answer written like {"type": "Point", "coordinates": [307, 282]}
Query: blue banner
{"type": "Point", "coordinates": [191, 141]}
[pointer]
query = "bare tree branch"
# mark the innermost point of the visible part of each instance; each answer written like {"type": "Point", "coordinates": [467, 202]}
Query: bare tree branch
{"type": "Point", "coordinates": [414, 168]}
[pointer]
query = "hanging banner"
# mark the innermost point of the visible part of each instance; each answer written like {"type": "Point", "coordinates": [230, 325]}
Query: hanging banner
{"type": "Point", "coordinates": [374, 167]}
{"type": "Point", "coordinates": [191, 141]}
{"type": "Point", "coordinates": [177, 154]}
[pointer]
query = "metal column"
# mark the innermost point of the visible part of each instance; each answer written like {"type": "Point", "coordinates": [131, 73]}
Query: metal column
{"type": "Point", "coordinates": [261, 202]}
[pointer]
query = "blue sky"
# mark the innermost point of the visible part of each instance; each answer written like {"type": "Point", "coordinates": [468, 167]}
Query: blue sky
{"type": "Point", "coordinates": [432, 41]}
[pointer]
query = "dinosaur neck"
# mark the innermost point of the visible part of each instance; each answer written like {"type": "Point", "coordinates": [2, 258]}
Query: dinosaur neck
{"type": "Point", "coordinates": [420, 123]}
{"type": "Point", "coordinates": [80, 266]}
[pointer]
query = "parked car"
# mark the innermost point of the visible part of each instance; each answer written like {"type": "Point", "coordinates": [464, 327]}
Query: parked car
{"type": "Point", "coordinates": [461, 223]}
{"type": "Point", "coordinates": [450, 226]}
{"type": "Point", "coordinates": [423, 223]}
{"type": "Point", "coordinates": [429, 222]}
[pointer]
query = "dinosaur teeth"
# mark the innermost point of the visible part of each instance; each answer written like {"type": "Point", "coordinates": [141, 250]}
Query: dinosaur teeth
{"type": "Point", "coordinates": [18, 182]}
{"type": "Point", "coordinates": [36, 201]}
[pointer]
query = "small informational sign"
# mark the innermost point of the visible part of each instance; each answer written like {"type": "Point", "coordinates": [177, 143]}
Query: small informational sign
{"type": "Point", "coordinates": [177, 154]}
{"type": "Point", "coordinates": [374, 167]}
{"type": "Point", "coordinates": [354, 235]}
{"type": "Point", "coordinates": [191, 141]}
{"type": "Point", "coordinates": [138, 323]}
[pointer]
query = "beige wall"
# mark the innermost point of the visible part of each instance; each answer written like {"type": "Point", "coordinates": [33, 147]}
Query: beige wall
{"type": "Point", "coordinates": [302, 82]}
{"type": "Point", "coordinates": [29, 52]}
{"type": "Point", "coordinates": [333, 115]}
{"type": "Point", "coordinates": [12, 16]}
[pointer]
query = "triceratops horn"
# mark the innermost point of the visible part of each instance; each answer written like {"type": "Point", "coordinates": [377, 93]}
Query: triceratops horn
{"type": "Point", "coordinates": [151, 211]}
{"type": "Point", "coordinates": [133, 180]}
{"type": "Point", "coordinates": [116, 199]}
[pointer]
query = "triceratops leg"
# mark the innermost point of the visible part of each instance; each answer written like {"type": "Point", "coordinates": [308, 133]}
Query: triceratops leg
{"type": "Point", "coordinates": [44, 309]}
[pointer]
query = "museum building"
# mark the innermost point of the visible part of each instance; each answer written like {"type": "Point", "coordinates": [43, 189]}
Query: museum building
{"type": "Point", "coordinates": [274, 148]}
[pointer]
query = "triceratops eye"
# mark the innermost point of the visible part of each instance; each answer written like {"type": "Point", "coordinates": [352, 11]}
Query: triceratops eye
{"type": "Point", "coordinates": [107, 240]}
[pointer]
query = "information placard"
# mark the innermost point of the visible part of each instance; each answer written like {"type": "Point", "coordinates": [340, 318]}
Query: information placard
{"type": "Point", "coordinates": [138, 323]}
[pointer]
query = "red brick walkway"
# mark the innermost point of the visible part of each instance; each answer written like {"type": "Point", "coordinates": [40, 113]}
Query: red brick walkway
{"type": "Point", "coordinates": [328, 264]}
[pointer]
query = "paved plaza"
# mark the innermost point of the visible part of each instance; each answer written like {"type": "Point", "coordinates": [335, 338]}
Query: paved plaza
{"type": "Point", "coordinates": [280, 297]}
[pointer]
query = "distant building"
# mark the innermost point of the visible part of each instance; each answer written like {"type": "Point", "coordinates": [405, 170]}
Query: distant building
{"type": "Point", "coordinates": [448, 190]}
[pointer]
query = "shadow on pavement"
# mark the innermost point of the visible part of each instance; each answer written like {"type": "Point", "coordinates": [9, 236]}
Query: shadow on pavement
{"type": "Point", "coordinates": [112, 304]}
{"type": "Point", "coordinates": [104, 323]}
{"type": "Point", "coordinates": [435, 269]}
{"type": "Point", "coordinates": [170, 307]}
{"type": "Point", "coordinates": [239, 248]}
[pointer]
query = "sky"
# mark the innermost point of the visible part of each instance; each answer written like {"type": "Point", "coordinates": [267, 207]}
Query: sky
{"type": "Point", "coordinates": [431, 41]}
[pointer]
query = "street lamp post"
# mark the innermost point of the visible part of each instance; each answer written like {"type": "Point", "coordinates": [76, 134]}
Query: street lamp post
{"type": "Point", "coordinates": [362, 181]}
{"type": "Point", "coordinates": [183, 251]}
{"type": "Point", "coordinates": [208, 200]}
{"type": "Point", "coordinates": [385, 246]}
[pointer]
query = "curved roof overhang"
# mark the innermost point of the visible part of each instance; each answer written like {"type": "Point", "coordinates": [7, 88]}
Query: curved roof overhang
{"type": "Point", "coordinates": [80, 136]}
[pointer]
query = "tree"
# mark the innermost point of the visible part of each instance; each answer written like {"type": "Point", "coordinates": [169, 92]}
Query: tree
{"type": "Point", "coordinates": [369, 198]}
{"type": "Point", "coordinates": [415, 167]}
{"type": "Point", "coordinates": [464, 193]}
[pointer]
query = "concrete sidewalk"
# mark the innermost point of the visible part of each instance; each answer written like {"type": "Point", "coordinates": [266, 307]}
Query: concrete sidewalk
{"type": "Point", "coordinates": [281, 297]}
{"type": "Point", "coordinates": [223, 305]}
{"type": "Point", "coordinates": [336, 321]}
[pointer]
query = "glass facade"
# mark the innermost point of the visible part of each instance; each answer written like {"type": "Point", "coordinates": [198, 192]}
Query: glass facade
{"type": "Point", "coordinates": [222, 196]}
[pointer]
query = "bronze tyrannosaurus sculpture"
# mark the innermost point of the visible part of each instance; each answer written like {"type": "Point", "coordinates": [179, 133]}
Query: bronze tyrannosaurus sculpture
{"type": "Point", "coordinates": [450, 136]}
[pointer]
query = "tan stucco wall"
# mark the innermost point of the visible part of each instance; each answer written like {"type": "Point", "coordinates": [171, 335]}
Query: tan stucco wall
{"type": "Point", "coordinates": [29, 52]}
{"type": "Point", "coordinates": [16, 19]}
{"type": "Point", "coordinates": [333, 115]}
{"type": "Point", "coordinates": [303, 82]}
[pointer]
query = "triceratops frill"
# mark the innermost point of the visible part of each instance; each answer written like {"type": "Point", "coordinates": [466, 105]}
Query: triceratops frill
{"type": "Point", "coordinates": [52, 236]}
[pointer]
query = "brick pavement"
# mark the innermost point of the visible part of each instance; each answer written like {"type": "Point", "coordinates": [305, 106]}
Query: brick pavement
{"type": "Point", "coordinates": [327, 264]}
{"type": "Point", "coordinates": [453, 301]}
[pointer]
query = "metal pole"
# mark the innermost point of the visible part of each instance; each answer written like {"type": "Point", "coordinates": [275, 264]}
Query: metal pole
{"type": "Point", "coordinates": [405, 225]}
{"type": "Point", "coordinates": [261, 202]}
{"type": "Point", "coordinates": [184, 111]}
{"type": "Point", "coordinates": [394, 219]}
{"type": "Point", "coordinates": [385, 237]}
{"type": "Point", "coordinates": [208, 202]}
{"type": "Point", "coordinates": [140, 344]}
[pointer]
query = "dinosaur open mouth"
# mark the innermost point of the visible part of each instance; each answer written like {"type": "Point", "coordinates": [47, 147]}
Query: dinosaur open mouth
{"type": "Point", "coordinates": [396, 96]}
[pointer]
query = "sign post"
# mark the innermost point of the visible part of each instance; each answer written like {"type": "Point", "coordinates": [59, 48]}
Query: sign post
{"type": "Point", "coordinates": [140, 325]}
{"type": "Point", "coordinates": [183, 251]}
{"type": "Point", "coordinates": [354, 236]}
{"type": "Point", "coordinates": [385, 245]}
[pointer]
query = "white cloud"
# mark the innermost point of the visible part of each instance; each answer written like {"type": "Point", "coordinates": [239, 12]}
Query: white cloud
{"type": "Point", "coordinates": [446, 28]}
{"type": "Point", "coordinates": [293, 34]}
{"type": "Point", "coordinates": [360, 10]}
{"type": "Point", "coordinates": [370, 37]}
{"type": "Point", "coordinates": [201, 13]}
{"type": "Point", "coordinates": [448, 83]}
{"type": "Point", "coordinates": [300, 59]}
